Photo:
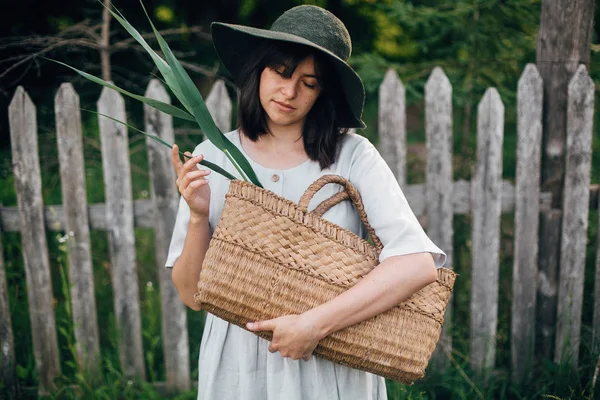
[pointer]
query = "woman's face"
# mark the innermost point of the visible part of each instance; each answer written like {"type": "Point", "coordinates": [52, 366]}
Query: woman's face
{"type": "Point", "coordinates": [287, 101]}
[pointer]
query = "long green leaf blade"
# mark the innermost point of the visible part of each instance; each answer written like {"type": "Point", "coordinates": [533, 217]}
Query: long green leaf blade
{"type": "Point", "coordinates": [200, 111]}
{"type": "Point", "coordinates": [161, 64]}
{"type": "Point", "coordinates": [159, 105]}
{"type": "Point", "coordinates": [206, 163]}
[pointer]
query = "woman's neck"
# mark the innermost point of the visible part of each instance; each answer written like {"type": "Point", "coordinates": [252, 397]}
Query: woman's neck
{"type": "Point", "coordinates": [279, 149]}
{"type": "Point", "coordinates": [281, 140]}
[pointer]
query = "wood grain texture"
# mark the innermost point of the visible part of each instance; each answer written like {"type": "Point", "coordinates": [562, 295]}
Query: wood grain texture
{"type": "Point", "coordinates": [596, 317]}
{"type": "Point", "coordinates": [564, 40]}
{"type": "Point", "coordinates": [165, 199]}
{"type": "Point", "coordinates": [392, 125]}
{"type": "Point", "coordinates": [527, 209]}
{"type": "Point", "coordinates": [76, 225]}
{"type": "Point", "coordinates": [119, 219]}
{"type": "Point", "coordinates": [28, 185]}
{"type": "Point", "coordinates": [486, 204]}
{"type": "Point", "coordinates": [218, 103]}
{"type": "Point", "coordinates": [547, 283]}
{"type": "Point", "coordinates": [575, 217]}
{"type": "Point", "coordinates": [438, 188]}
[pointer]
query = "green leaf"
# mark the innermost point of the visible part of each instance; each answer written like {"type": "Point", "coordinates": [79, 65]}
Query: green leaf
{"type": "Point", "coordinates": [206, 163]}
{"type": "Point", "coordinates": [200, 111]}
{"type": "Point", "coordinates": [159, 105]}
{"type": "Point", "coordinates": [161, 64]}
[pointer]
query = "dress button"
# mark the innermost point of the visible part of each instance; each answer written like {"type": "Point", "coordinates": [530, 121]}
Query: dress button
{"type": "Point", "coordinates": [275, 178]}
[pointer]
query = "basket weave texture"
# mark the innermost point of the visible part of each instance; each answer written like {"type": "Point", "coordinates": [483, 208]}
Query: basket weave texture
{"type": "Point", "coordinates": [270, 257]}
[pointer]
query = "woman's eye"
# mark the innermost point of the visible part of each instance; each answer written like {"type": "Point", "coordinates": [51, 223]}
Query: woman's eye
{"type": "Point", "coordinates": [309, 85]}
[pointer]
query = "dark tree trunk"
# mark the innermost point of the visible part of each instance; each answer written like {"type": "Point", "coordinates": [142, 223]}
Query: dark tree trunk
{"type": "Point", "coordinates": [563, 44]}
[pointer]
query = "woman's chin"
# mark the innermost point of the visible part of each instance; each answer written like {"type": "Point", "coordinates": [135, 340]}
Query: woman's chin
{"type": "Point", "coordinates": [281, 121]}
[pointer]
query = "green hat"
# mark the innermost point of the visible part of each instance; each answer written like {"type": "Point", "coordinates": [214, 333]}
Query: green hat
{"type": "Point", "coordinates": [308, 25]}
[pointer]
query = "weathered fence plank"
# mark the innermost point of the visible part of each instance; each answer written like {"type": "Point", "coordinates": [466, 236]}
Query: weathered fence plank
{"type": "Point", "coordinates": [219, 105]}
{"type": "Point", "coordinates": [74, 198]}
{"type": "Point", "coordinates": [119, 218]}
{"type": "Point", "coordinates": [547, 283]}
{"type": "Point", "coordinates": [392, 124]}
{"type": "Point", "coordinates": [7, 344]}
{"type": "Point", "coordinates": [596, 317]}
{"type": "Point", "coordinates": [486, 192]}
{"type": "Point", "coordinates": [438, 175]}
{"type": "Point", "coordinates": [575, 216]}
{"type": "Point", "coordinates": [527, 209]}
{"type": "Point", "coordinates": [165, 198]}
{"type": "Point", "coordinates": [28, 184]}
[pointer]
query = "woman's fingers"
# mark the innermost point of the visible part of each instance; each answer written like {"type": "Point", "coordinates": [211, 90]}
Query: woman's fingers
{"type": "Point", "coordinates": [175, 159]}
{"type": "Point", "coordinates": [189, 190]}
{"type": "Point", "coordinates": [192, 176]}
{"type": "Point", "coordinates": [191, 164]}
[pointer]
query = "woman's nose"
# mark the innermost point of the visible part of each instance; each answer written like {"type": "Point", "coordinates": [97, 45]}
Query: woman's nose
{"type": "Point", "coordinates": [288, 88]}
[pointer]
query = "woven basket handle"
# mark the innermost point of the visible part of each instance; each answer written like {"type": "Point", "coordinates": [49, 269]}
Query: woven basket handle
{"type": "Point", "coordinates": [350, 192]}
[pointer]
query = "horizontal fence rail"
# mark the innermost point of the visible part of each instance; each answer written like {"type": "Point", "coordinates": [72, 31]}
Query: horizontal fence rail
{"type": "Point", "coordinates": [144, 211]}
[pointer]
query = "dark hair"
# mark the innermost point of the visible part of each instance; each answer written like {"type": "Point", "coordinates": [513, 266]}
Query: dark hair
{"type": "Point", "coordinates": [321, 131]}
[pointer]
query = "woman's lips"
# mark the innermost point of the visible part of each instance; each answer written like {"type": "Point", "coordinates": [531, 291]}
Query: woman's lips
{"type": "Point", "coordinates": [283, 106]}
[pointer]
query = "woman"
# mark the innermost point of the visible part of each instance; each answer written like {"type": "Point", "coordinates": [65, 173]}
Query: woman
{"type": "Point", "coordinates": [298, 97]}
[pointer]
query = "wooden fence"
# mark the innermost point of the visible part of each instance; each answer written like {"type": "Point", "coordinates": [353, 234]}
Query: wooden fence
{"type": "Point", "coordinates": [486, 197]}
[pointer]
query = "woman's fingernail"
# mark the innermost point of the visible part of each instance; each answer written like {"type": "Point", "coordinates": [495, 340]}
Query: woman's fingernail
{"type": "Point", "coordinates": [250, 325]}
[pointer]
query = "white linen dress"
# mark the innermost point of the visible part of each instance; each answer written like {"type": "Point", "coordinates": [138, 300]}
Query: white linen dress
{"type": "Point", "coordinates": [235, 364]}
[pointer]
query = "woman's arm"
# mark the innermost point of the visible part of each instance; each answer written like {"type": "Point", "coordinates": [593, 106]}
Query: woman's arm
{"type": "Point", "coordinates": [187, 267]}
{"type": "Point", "coordinates": [390, 283]}
{"type": "Point", "coordinates": [194, 189]}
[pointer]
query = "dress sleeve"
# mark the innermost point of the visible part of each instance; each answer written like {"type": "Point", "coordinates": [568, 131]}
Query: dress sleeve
{"type": "Point", "coordinates": [179, 233]}
{"type": "Point", "coordinates": [387, 208]}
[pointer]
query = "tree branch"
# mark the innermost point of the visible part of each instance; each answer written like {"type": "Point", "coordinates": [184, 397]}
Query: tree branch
{"type": "Point", "coordinates": [196, 30]}
{"type": "Point", "coordinates": [105, 42]}
{"type": "Point", "coordinates": [78, 42]}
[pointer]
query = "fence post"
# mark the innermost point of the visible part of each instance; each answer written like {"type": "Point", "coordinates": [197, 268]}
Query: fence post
{"type": "Point", "coordinates": [596, 317]}
{"type": "Point", "coordinates": [580, 113]}
{"type": "Point", "coordinates": [165, 198]}
{"type": "Point", "coordinates": [119, 220]}
{"type": "Point", "coordinates": [486, 204]}
{"type": "Point", "coordinates": [81, 274]}
{"type": "Point", "coordinates": [219, 105]}
{"type": "Point", "coordinates": [392, 125]}
{"type": "Point", "coordinates": [7, 343]}
{"type": "Point", "coordinates": [438, 178]}
{"type": "Point", "coordinates": [547, 290]}
{"type": "Point", "coordinates": [527, 209]}
{"type": "Point", "coordinates": [23, 135]}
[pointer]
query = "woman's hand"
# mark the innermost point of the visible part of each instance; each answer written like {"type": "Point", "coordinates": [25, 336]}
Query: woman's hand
{"type": "Point", "coordinates": [192, 183]}
{"type": "Point", "coordinates": [294, 336]}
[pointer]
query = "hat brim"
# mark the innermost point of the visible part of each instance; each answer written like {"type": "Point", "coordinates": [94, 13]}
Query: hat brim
{"type": "Point", "coordinates": [235, 43]}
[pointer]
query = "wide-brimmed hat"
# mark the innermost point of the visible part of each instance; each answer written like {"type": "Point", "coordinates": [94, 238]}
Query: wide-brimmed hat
{"type": "Point", "coordinates": [307, 25]}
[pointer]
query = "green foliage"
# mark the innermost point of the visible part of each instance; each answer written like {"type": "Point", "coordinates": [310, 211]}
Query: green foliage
{"type": "Point", "coordinates": [479, 43]}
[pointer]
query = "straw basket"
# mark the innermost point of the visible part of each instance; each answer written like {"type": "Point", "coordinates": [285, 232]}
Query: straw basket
{"type": "Point", "coordinates": [270, 257]}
